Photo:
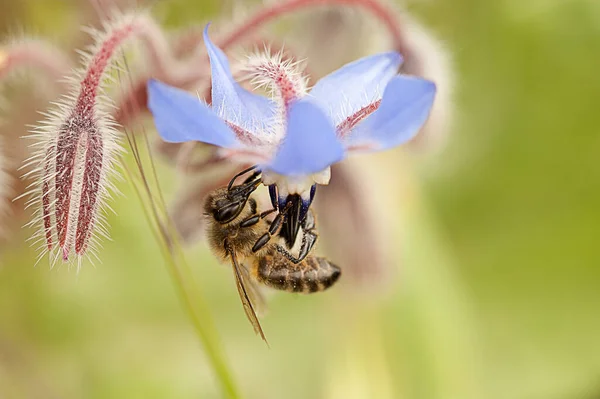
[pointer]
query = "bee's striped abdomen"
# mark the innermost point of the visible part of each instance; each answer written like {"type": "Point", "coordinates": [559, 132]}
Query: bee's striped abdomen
{"type": "Point", "coordinates": [311, 275]}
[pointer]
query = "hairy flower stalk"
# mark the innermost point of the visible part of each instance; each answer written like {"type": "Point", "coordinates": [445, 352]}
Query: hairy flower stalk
{"type": "Point", "coordinates": [34, 54]}
{"type": "Point", "coordinates": [76, 150]}
{"type": "Point", "coordinates": [4, 191]}
{"type": "Point", "coordinates": [377, 8]}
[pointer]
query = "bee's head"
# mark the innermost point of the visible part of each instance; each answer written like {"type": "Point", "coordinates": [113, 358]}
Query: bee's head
{"type": "Point", "coordinates": [226, 204]}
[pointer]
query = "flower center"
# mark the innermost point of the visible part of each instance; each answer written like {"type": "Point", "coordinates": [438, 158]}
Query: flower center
{"type": "Point", "coordinates": [301, 185]}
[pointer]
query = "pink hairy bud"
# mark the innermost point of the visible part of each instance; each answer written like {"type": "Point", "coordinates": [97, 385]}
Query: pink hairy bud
{"type": "Point", "coordinates": [283, 77]}
{"type": "Point", "coordinates": [77, 145]}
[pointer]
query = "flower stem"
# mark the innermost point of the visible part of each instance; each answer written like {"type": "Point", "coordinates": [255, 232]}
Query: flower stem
{"type": "Point", "coordinates": [195, 307]}
{"type": "Point", "coordinates": [149, 193]}
{"type": "Point", "coordinates": [264, 15]}
{"type": "Point", "coordinates": [34, 53]}
{"type": "Point", "coordinates": [141, 27]}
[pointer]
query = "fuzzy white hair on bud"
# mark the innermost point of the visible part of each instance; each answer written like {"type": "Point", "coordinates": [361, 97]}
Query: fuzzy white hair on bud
{"type": "Point", "coordinates": [275, 73]}
{"type": "Point", "coordinates": [282, 77]}
{"type": "Point", "coordinates": [76, 147]}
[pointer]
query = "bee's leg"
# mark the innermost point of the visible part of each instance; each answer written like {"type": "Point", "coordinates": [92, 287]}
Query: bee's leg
{"type": "Point", "coordinates": [309, 227]}
{"type": "Point", "coordinates": [309, 239]}
{"type": "Point", "coordinates": [252, 220]}
{"type": "Point", "coordinates": [309, 223]}
{"type": "Point", "coordinates": [274, 196]}
{"type": "Point", "coordinates": [274, 228]}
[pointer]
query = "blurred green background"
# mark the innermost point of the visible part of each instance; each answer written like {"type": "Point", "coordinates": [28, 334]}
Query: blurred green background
{"type": "Point", "coordinates": [497, 295]}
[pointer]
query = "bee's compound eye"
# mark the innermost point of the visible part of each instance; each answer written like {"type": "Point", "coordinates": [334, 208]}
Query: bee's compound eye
{"type": "Point", "coordinates": [228, 212]}
{"type": "Point", "coordinates": [221, 203]}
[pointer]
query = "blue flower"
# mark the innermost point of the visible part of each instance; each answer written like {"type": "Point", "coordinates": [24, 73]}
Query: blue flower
{"type": "Point", "coordinates": [295, 135]}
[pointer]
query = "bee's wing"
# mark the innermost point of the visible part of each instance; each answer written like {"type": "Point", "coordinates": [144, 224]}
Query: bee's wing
{"type": "Point", "coordinates": [254, 293]}
{"type": "Point", "coordinates": [241, 287]}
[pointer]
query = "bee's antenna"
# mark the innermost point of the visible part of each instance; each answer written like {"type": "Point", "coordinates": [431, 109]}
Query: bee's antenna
{"type": "Point", "coordinates": [243, 172]}
{"type": "Point", "coordinates": [244, 190]}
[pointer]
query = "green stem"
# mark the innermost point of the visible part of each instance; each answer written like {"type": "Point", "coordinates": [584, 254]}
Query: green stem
{"type": "Point", "coordinates": [195, 306]}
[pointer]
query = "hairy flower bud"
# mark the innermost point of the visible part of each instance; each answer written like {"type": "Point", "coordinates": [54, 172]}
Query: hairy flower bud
{"type": "Point", "coordinates": [77, 145]}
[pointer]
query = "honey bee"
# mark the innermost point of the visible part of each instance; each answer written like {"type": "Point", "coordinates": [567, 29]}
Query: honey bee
{"type": "Point", "coordinates": [250, 240]}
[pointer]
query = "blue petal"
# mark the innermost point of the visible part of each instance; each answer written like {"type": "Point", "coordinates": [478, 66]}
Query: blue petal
{"type": "Point", "coordinates": [231, 101]}
{"type": "Point", "coordinates": [355, 85]}
{"type": "Point", "coordinates": [404, 108]}
{"type": "Point", "coordinates": [310, 144]}
{"type": "Point", "coordinates": [179, 116]}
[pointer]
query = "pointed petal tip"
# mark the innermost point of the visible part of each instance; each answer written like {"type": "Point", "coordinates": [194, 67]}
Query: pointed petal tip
{"type": "Point", "coordinates": [428, 85]}
{"type": "Point", "coordinates": [205, 32]}
{"type": "Point", "coordinates": [180, 116]}
{"type": "Point", "coordinates": [233, 103]}
{"type": "Point", "coordinates": [394, 57]}
{"type": "Point", "coordinates": [404, 109]}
